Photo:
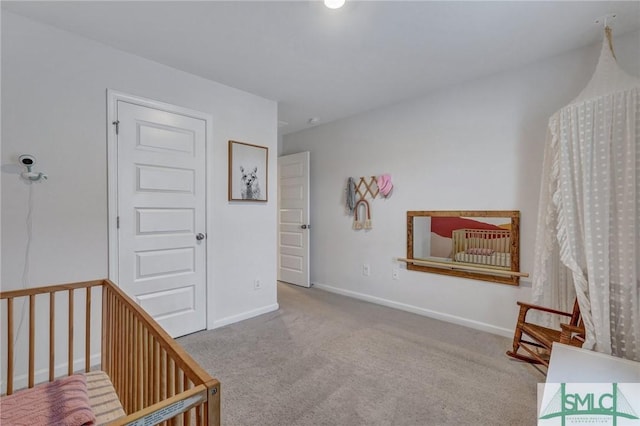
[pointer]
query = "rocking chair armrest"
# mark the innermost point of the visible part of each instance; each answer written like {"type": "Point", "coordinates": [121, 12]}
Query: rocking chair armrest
{"type": "Point", "coordinates": [526, 306]}
{"type": "Point", "coordinates": [572, 334]}
{"type": "Point", "coordinates": [572, 328]}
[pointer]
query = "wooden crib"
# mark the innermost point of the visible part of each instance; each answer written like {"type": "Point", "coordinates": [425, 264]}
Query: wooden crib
{"type": "Point", "coordinates": [156, 381]}
{"type": "Point", "coordinates": [482, 246]}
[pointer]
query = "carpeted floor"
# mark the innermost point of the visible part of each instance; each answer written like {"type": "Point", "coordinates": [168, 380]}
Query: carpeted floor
{"type": "Point", "coordinates": [325, 359]}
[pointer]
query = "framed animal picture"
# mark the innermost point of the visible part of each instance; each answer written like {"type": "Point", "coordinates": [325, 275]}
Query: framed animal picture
{"type": "Point", "coordinates": [248, 172]}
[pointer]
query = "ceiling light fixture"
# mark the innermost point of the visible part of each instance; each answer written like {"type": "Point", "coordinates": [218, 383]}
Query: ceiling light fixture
{"type": "Point", "coordinates": [334, 4]}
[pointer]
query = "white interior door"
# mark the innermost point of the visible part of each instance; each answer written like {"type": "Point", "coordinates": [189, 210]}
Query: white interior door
{"type": "Point", "coordinates": [293, 219]}
{"type": "Point", "coordinates": [161, 214]}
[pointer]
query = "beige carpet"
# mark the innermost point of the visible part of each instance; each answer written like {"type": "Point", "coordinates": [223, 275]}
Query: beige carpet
{"type": "Point", "coordinates": [325, 359]}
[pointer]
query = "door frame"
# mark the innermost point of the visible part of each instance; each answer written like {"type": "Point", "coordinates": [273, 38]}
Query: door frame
{"type": "Point", "coordinates": [113, 96]}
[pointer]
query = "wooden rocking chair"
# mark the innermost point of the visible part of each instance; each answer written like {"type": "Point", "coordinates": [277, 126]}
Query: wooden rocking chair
{"type": "Point", "coordinates": [541, 338]}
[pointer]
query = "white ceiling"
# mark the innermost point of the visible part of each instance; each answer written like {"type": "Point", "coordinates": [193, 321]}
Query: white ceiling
{"type": "Point", "coordinates": [333, 64]}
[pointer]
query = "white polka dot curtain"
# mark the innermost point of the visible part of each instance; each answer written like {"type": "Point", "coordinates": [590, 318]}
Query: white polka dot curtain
{"type": "Point", "coordinates": [588, 235]}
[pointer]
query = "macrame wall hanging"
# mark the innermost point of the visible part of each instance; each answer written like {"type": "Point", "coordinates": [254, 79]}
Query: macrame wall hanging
{"type": "Point", "coordinates": [362, 221]}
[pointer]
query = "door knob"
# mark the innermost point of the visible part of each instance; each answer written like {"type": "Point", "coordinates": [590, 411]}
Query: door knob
{"type": "Point", "coordinates": [305, 226]}
{"type": "Point", "coordinates": [200, 236]}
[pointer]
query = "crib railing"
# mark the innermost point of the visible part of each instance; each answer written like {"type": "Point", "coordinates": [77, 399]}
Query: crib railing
{"type": "Point", "coordinates": [494, 239]}
{"type": "Point", "coordinates": [155, 379]}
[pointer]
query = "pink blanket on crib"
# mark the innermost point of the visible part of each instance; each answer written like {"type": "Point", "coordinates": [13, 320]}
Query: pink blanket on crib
{"type": "Point", "coordinates": [62, 402]}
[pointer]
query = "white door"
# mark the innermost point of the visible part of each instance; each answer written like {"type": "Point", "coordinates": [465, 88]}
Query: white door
{"type": "Point", "coordinates": [161, 214]}
{"type": "Point", "coordinates": [293, 219]}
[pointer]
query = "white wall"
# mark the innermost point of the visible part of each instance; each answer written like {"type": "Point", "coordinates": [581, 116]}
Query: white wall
{"type": "Point", "coordinates": [475, 146]}
{"type": "Point", "coordinates": [54, 107]}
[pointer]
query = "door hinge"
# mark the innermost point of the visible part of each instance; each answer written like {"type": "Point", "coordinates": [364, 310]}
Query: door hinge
{"type": "Point", "coordinates": [117, 124]}
{"type": "Point", "coordinates": [118, 222]}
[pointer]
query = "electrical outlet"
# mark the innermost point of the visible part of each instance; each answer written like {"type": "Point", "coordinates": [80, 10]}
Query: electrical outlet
{"type": "Point", "coordinates": [366, 270]}
{"type": "Point", "coordinates": [257, 284]}
{"type": "Point", "coordinates": [395, 273]}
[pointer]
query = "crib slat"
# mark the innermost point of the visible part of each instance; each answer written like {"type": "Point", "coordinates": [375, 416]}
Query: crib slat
{"type": "Point", "coordinates": [141, 370]}
{"type": "Point", "coordinates": [144, 381]}
{"type": "Point", "coordinates": [125, 349]}
{"type": "Point", "coordinates": [123, 367]}
{"type": "Point", "coordinates": [9, 346]}
{"type": "Point", "coordinates": [52, 336]}
{"type": "Point", "coordinates": [186, 416]}
{"type": "Point", "coordinates": [133, 362]}
{"type": "Point", "coordinates": [158, 369]}
{"type": "Point", "coordinates": [105, 335]}
{"type": "Point", "coordinates": [123, 338]}
{"type": "Point", "coordinates": [113, 341]}
{"type": "Point", "coordinates": [153, 371]}
{"type": "Point", "coordinates": [70, 350]}
{"type": "Point", "coordinates": [176, 381]}
{"type": "Point", "coordinates": [135, 370]}
{"type": "Point", "coordinates": [130, 361]}
{"type": "Point", "coordinates": [198, 414]}
{"type": "Point", "coordinates": [148, 366]}
{"type": "Point", "coordinates": [87, 341]}
{"type": "Point", "coordinates": [144, 371]}
{"type": "Point", "coordinates": [199, 411]}
{"type": "Point", "coordinates": [118, 336]}
{"type": "Point", "coordinates": [144, 355]}
{"type": "Point", "coordinates": [161, 369]}
{"type": "Point", "coordinates": [118, 351]}
{"type": "Point", "coordinates": [115, 353]}
{"type": "Point", "coordinates": [133, 366]}
{"type": "Point", "coordinates": [170, 377]}
{"type": "Point", "coordinates": [113, 333]}
{"type": "Point", "coordinates": [155, 389]}
{"type": "Point", "coordinates": [127, 364]}
{"type": "Point", "coordinates": [32, 338]}
{"type": "Point", "coordinates": [136, 366]}
{"type": "Point", "coordinates": [167, 388]}
{"type": "Point", "coordinates": [177, 390]}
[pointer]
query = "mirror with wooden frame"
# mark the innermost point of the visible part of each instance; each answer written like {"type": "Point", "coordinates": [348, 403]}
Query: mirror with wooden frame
{"type": "Point", "coordinates": [482, 245]}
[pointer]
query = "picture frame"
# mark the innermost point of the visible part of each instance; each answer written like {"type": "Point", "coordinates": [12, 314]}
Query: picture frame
{"type": "Point", "coordinates": [248, 172]}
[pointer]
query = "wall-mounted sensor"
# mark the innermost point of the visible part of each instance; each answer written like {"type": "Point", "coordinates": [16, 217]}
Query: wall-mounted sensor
{"type": "Point", "coordinates": [29, 161]}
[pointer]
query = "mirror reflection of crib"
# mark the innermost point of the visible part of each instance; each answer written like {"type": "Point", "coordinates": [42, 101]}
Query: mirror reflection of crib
{"type": "Point", "coordinates": [482, 246]}
{"type": "Point", "coordinates": [475, 244]}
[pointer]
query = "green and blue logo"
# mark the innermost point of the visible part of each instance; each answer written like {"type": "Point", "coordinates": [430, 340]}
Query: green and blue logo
{"type": "Point", "coordinates": [591, 403]}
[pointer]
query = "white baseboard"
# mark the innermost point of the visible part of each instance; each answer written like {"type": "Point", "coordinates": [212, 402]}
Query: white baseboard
{"type": "Point", "coordinates": [245, 315]}
{"type": "Point", "coordinates": [477, 325]}
{"type": "Point", "coordinates": [42, 375]}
